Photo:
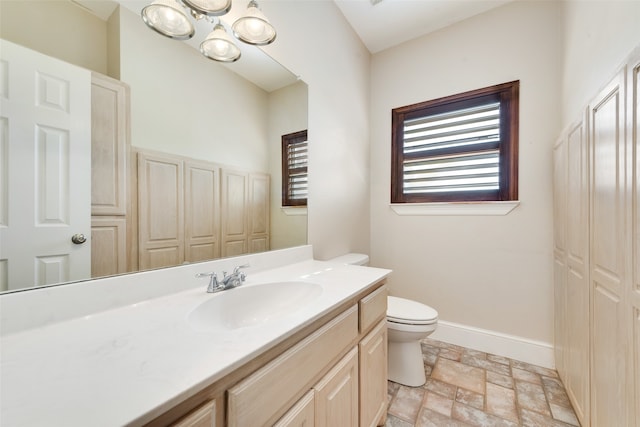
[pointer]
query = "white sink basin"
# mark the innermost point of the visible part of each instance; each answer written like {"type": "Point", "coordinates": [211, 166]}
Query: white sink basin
{"type": "Point", "coordinates": [253, 305]}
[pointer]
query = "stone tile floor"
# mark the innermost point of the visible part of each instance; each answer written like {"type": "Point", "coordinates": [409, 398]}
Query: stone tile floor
{"type": "Point", "coordinates": [470, 388]}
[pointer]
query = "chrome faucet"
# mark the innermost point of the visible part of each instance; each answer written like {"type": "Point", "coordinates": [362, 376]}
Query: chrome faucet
{"type": "Point", "coordinates": [235, 279]}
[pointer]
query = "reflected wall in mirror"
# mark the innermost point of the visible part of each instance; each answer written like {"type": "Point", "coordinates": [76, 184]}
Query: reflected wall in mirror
{"type": "Point", "coordinates": [179, 106]}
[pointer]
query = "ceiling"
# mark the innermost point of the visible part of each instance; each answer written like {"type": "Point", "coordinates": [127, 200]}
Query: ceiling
{"type": "Point", "coordinates": [382, 24]}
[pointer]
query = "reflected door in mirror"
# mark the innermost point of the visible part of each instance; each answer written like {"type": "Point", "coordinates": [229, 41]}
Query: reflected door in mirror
{"type": "Point", "coordinates": [45, 144]}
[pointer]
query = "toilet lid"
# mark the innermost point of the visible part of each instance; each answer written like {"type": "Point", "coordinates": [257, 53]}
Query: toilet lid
{"type": "Point", "coordinates": [402, 310]}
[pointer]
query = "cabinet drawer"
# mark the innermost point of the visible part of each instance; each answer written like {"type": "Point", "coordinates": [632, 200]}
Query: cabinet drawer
{"type": "Point", "coordinates": [204, 416]}
{"type": "Point", "coordinates": [259, 399]}
{"type": "Point", "coordinates": [373, 307]}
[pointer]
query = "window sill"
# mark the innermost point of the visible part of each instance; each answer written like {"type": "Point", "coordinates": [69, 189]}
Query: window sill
{"type": "Point", "coordinates": [460, 208]}
{"type": "Point", "coordinates": [294, 210]}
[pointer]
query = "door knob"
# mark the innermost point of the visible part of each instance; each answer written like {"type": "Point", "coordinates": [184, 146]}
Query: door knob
{"type": "Point", "coordinates": [78, 239]}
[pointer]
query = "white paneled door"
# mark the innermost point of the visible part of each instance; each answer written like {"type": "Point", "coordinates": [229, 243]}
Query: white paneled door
{"type": "Point", "coordinates": [45, 169]}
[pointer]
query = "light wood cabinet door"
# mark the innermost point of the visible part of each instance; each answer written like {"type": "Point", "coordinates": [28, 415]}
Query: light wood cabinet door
{"type": "Point", "coordinates": [109, 145]}
{"type": "Point", "coordinates": [108, 246]}
{"type": "Point", "coordinates": [259, 212]}
{"type": "Point", "coordinates": [234, 212]}
{"type": "Point", "coordinates": [337, 394]}
{"type": "Point", "coordinates": [609, 369]}
{"type": "Point", "coordinates": [160, 211]}
{"type": "Point", "coordinates": [373, 376]}
{"type": "Point", "coordinates": [302, 414]}
{"type": "Point", "coordinates": [201, 211]}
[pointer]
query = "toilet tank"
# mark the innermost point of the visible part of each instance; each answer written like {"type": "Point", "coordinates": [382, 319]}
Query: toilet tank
{"type": "Point", "coordinates": [352, 259]}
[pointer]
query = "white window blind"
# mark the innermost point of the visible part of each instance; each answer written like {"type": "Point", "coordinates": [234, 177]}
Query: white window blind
{"type": "Point", "coordinates": [453, 151]}
{"type": "Point", "coordinates": [294, 169]}
{"type": "Point", "coordinates": [297, 166]}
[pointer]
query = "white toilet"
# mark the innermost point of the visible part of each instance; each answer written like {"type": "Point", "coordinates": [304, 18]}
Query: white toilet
{"type": "Point", "coordinates": [408, 322]}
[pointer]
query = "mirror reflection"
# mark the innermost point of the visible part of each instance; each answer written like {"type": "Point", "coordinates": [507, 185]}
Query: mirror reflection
{"type": "Point", "coordinates": [184, 163]}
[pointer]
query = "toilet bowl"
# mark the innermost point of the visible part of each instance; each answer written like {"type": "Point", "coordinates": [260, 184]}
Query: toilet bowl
{"type": "Point", "coordinates": [408, 322]}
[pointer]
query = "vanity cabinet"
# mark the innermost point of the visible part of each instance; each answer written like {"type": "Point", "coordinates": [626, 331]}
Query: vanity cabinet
{"type": "Point", "coordinates": [331, 373]}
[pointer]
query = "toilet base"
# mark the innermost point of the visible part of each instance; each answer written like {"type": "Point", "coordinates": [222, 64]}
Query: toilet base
{"type": "Point", "coordinates": [405, 363]}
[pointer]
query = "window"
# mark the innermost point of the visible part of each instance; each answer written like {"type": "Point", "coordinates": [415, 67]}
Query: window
{"type": "Point", "coordinates": [294, 169]}
{"type": "Point", "coordinates": [460, 148]}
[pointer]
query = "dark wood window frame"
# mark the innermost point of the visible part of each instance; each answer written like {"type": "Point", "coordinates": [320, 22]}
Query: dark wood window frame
{"type": "Point", "coordinates": [288, 171]}
{"type": "Point", "coordinates": [507, 95]}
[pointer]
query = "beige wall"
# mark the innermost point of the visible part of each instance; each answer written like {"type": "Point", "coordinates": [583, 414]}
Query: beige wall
{"type": "Point", "coordinates": [184, 104]}
{"type": "Point", "coordinates": [598, 37]}
{"type": "Point", "coordinates": [489, 272]}
{"type": "Point", "coordinates": [316, 43]}
{"type": "Point", "coordinates": [58, 29]}
{"type": "Point", "coordinates": [287, 114]}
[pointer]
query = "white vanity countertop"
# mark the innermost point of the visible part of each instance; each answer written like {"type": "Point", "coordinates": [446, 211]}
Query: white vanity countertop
{"type": "Point", "coordinates": [128, 365]}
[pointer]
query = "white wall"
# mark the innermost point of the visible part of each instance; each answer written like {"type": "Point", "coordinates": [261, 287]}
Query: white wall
{"type": "Point", "coordinates": [287, 114]}
{"type": "Point", "coordinates": [489, 272]}
{"type": "Point", "coordinates": [316, 43]}
{"type": "Point", "coordinates": [598, 37]}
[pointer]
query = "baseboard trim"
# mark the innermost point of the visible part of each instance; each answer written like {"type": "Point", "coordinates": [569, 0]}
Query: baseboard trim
{"type": "Point", "coordinates": [511, 346]}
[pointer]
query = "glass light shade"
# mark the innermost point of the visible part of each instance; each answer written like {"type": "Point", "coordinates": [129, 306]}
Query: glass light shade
{"type": "Point", "coordinates": [219, 46]}
{"type": "Point", "coordinates": [209, 7]}
{"type": "Point", "coordinates": [254, 28]}
{"type": "Point", "coordinates": [167, 18]}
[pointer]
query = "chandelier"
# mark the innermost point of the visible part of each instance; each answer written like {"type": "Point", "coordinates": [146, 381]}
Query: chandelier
{"type": "Point", "coordinates": [170, 18]}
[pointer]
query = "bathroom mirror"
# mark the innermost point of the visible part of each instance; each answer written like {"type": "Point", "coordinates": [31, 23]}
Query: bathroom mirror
{"type": "Point", "coordinates": [178, 105]}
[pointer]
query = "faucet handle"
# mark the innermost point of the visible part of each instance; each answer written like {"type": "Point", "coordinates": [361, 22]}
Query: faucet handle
{"type": "Point", "coordinates": [237, 269]}
{"type": "Point", "coordinates": [213, 283]}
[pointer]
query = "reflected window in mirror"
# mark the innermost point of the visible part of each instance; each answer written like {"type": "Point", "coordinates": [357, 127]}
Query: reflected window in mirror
{"type": "Point", "coordinates": [294, 169]}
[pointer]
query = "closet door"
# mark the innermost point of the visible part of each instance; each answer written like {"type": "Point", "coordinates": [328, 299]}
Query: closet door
{"type": "Point", "coordinates": [609, 370]}
{"type": "Point", "coordinates": [160, 211]}
{"type": "Point", "coordinates": [633, 111]}
{"type": "Point", "coordinates": [559, 253]}
{"type": "Point", "coordinates": [577, 286]}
